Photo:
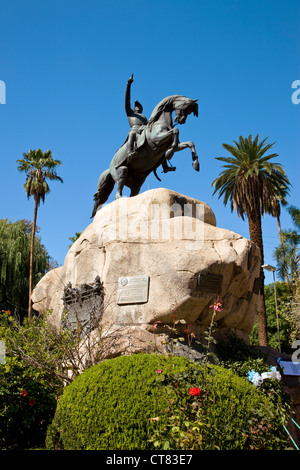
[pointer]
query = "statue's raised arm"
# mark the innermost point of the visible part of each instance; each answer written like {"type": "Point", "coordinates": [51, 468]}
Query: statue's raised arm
{"type": "Point", "coordinates": [128, 109]}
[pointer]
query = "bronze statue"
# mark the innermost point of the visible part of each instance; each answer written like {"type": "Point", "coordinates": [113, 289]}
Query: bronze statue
{"type": "Point", "coordinates": [137, 122]}
{"type": "Point", "coordinates": [149, 144]}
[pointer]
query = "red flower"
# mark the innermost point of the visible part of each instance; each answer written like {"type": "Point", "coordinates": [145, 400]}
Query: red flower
{"type": "Point", "coordinates": [195, 391]}
{"type": "Point", "coordinates": [158, 371]}
{"type": "Point", "coordinates": [23, 393]}
{"type": "Point", "coordinates": [31, 402]}
{"type": "Point", "coordinates": [217, 305]}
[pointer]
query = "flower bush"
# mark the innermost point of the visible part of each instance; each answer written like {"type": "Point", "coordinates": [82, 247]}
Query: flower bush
{"type": "Point", "coordinates": [213, 407]}
{"type": "Point", "coordinates": [112, 405]}
{"type": "Point", "coordinates": [27, 405]}
{"type": "Point", "coordinates": [27, 399]}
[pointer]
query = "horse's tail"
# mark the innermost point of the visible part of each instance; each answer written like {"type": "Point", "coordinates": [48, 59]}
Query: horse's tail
{"type": "Point", "coordinates": [104, 188]}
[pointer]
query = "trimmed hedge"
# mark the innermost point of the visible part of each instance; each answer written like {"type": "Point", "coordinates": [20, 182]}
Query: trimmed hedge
{"type": "Point", "coordinates": [109, 406]}
{"type": "Point", "coordinates": [240, 417]}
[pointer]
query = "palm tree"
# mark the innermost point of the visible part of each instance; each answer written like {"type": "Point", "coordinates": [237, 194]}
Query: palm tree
{"type": "Point", "coordinates": [38, 167]}
{"type": "Point", "coordinates": [250, 181]}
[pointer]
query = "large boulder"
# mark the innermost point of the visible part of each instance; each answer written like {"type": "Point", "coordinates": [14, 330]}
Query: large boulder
{"type": "Point", "coordinates": [159, 256]}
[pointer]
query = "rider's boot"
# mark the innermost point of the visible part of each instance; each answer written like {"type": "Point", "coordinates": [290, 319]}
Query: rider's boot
{"type": "Point", "coordinates": [167, 168]}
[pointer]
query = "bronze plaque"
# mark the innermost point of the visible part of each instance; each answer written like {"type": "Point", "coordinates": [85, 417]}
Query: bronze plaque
{"type": "Point", "coordinates": [133, 290]}
{"type": "Point", "coordinates": [209, 282]}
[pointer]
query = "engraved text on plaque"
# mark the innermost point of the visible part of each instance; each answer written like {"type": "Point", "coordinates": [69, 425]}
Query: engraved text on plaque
{"type": "Point", "coordinates": [133, 290]}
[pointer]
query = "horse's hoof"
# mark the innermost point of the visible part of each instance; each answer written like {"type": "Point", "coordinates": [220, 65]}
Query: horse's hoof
{"type": "Point", "coordinates": [196, 165]}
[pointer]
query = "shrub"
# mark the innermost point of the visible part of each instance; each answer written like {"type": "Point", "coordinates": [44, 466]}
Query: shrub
{"type": "Point", "coordinates": [27, 405]}
{"type": "Point", "coordinates": [241, 358]}
{"type": "Point", "coordinates": [109, 406]}
{"type": "Point", "coordinates": [216, 409]}
{"type": "Point", "coordinates": [27, 393]}
{"type": "Point", "coordinates": [146, 401]}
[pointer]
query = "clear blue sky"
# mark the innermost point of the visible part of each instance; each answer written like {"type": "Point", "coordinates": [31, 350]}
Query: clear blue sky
{"type": "Point", "coordinates": [65, 64]}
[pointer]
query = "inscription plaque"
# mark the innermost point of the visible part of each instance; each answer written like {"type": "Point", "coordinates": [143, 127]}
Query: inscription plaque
{"type": "Point", "coordinates": [133, 290]}
{"type": "Point", "coordinates": [83, 306]}
{"type": "Point", "coordinates": [209, 282]}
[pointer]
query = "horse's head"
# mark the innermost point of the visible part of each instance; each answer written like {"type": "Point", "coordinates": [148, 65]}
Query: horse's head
{"type": "Point", "coordinates": [183, 107]}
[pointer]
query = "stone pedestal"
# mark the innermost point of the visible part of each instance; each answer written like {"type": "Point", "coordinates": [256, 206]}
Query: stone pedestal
{"type": "Point", "coordinates": [160, 257]}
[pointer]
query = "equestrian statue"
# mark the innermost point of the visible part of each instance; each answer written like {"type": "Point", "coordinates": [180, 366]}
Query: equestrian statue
{"type": "Point", "coordinates": [149, 144]}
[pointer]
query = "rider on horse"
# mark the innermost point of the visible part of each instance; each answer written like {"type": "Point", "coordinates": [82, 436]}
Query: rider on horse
{"type": "Point", "coordinates": [136, 119]}
{"type": "Point", "coordinates": [137, 122]}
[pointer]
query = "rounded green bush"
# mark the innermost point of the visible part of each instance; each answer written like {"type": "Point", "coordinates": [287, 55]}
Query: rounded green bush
{"type": "Point", "coordinates": [241, 416]}
{"type": "Point", "coordinates": [110, 406]}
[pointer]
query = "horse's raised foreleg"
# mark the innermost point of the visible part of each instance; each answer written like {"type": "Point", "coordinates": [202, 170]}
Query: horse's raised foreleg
{"type": "Point", "coordinates": [164, 137]}
{"type": "Point", "coordinates": [170, 152]}
{"type": "Point", "coordinates": [189, 144]}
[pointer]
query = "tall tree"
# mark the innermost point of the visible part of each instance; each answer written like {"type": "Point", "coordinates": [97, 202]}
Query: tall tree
{"type": "Point", "coordinates": [249, 181]}
{"type": "Point", "coordinates": [38, 166]}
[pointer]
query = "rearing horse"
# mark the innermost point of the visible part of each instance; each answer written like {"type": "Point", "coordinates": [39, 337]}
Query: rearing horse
{"type": "Point", "coordinates": [157, 143]}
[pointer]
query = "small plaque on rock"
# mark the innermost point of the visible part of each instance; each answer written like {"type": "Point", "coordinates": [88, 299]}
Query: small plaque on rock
{"type": "Point", "coordinates": [209, 282]}
{"type": "Point", "coordinates": [133, 290]}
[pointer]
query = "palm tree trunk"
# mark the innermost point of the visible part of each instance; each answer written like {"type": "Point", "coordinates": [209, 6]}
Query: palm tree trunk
{"type": "Point", "coordinates": [255, 230]}
{"type": "Point", "coordinates": [31, 257]}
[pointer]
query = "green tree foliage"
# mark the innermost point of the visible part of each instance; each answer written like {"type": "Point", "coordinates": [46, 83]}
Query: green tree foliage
{"type": "Point", "coordinates": [287, 254]}
{"type": "Point", "coordinates": [15, 240]}
{"type": "Point", "coordinates": [250, 181]}
{"type": "Point", "coordinates": [293, 309]}
{"type": "Point", "coordinates": [295, 214]}
{"type": "Point", "coordinates": [74, 238]}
